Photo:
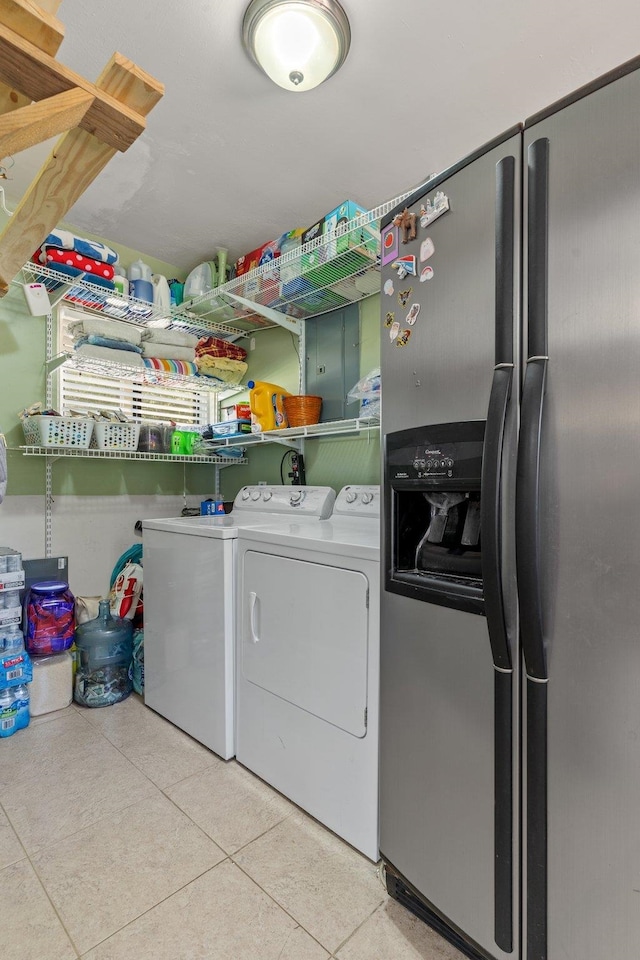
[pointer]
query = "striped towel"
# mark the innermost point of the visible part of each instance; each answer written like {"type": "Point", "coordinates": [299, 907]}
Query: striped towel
{"type": "Point", "coordinates": [185, 368]}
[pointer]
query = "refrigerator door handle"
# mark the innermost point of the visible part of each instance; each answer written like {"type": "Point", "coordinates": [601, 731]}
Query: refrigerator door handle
{"type": "Point", "coordinates": [528, 519]}
{"type": "Point", "coordinates": [491, 524]}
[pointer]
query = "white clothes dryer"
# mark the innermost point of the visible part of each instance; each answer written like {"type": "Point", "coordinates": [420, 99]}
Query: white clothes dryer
{"type": "Point", "coordinates": [308, 662]}
{"type": "Point", "coordinates": [189, 607]}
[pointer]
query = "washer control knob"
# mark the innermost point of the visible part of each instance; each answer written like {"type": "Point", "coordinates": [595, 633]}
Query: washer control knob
{"type": "Point", "coordinates": [246, 494]}
{"type": "Point", "coordinates": [266, 496]}
{"type": "Point", "coordinates": [296, 497]}
{"type": "Point", "coordinates": [367, 497]}
{"type": "Point", "coordinates": [351, 496]}
{"type": "Point", "coordinates": [255, 494]}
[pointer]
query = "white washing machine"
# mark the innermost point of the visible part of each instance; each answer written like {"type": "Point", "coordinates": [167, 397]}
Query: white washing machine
{"type": "Point", "coordinates": [189, 607]}
{"type": "Point", "coordinates": [308, 662]}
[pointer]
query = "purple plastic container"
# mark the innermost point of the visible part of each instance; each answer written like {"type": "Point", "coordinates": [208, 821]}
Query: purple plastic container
{"type": "Point", "coordinates": [49, 618]}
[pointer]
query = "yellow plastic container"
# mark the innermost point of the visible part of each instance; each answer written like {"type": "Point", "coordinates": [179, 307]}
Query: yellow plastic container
{"type": "Point", "coordinates": [267, 406]}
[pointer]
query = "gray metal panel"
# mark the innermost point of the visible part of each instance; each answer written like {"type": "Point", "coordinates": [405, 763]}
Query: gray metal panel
{"type": "Point", "coordinates": [332, 344]}
{"type": "Point", "coordinates": [436, 747]}
{"type": "Point", "coordinates": [444, 372]}
{"type": "Point", "coordinates": [591, 525]}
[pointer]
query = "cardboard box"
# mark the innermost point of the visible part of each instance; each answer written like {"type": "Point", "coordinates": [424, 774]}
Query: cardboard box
{"type": "Point", "coordinates": [266, 287]}
{"type": "Point", "coordinates": [323, 264]}
{"type": "Point", "coordinates": [10, 615]}
{"type": "Point", "coordinates": [12, 581]}
{"type": "Point", "coordinates": [211, 507]}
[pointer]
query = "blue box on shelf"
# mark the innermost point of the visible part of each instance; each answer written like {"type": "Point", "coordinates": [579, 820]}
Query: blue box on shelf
{"type": "Point", "coordinates": [209, 508]}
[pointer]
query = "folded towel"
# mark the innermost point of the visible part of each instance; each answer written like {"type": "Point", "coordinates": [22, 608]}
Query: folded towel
{"type": "Point", "coordinates": [166, 350]}
{"type": "Point", "coordinates": [113, 356]}
{"type": "Point", "coordinates": [184, 367]}
{"type": "Point", "coordinates": [98, 341]}
{"type": "Point", "coordinates": [53, 256]}
{"type": "Point", "coordinates": [177, 337]}
{"type": "Point", "coordinates": [105, 328]}
{"type": "Point", "coordinates": [90, 248]}
{"type": "Point", "coordinates": [74, 272]}
{"type": "Point", "coordinates": [215, 347]}
{"type": "Point", "coordinates": [221, 368]}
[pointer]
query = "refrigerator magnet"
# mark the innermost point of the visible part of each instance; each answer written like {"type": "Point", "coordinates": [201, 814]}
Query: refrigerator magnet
{"type": "Point", "coordinates": [412, 316]}
{"type": "Point", "coordinates": [388, 287]}
{"type": "Point", "coordinates": [390, 317]}
{"type": "Point", "coordinates": [389, 244]}
{"type": "Point", "coordinates": [434, 209]}
{"type": "Point", "coordinates": [406, 222]}
{"type": "Point", "coordinates": [425, 274]}
{"type": "Point", "coordinates": [427, 249]}
{"type": "Point", "coordinates": [394, 331]}
{"type": "Point", "coordinates": [403, 339]}
{"type": "Point", "coordinates": [403, 296]}
{"type": "Point", "coordinates": [406, 266]}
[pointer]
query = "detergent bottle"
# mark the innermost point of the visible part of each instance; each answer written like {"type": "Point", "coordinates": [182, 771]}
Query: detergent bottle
{"type": "Point", "coordinates": [267, 407]}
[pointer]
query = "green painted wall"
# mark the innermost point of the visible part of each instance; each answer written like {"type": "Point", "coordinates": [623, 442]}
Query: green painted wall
{"type": "Point", "coordinates": [275, 359]}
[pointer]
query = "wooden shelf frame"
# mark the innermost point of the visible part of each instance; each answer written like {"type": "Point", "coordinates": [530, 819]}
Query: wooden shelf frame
{"type": "Point", "coordinates": [40, 98]}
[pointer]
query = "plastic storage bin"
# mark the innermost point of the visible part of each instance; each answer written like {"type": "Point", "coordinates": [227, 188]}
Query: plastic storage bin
{"type": "Point", "coordinates": [104, 653]}
{"type": "Point", "coordinates": [231, 428]}
{"type": "Point", "coordinates": [117, 436]}
{"type": "Point", "coordinates": [52, 685]}
{"type": "Point", "coordinates": [49, 618]}
{"type": "Point", "coordinates": [58, 431]}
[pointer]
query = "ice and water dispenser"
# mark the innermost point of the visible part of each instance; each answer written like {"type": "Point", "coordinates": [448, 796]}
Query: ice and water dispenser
{"type": "Point", "coordinates": [432, 538]}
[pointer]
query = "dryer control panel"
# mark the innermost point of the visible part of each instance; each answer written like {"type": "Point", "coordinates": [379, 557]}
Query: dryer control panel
{"type": "Point", "coordinates": [358, 501]}
{"type": "Point", "coordinates": [269, 499]}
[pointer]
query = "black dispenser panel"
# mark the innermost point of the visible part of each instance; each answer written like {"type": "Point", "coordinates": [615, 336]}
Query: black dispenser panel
{"type": "Point", "coordinates": [432, 482]}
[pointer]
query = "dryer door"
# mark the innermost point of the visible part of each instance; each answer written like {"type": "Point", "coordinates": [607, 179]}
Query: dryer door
{"type": "Point", "coordinates": [305, 636]}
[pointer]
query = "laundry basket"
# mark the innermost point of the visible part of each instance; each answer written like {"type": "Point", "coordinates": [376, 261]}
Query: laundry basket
{"type": "Point", "coordinates": [58, 431]}
{"type": "Point", "coordinates": [302, 410]}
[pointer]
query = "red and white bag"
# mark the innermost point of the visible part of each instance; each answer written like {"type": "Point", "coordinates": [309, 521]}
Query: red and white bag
{"type": "Point", "coordinates": [126, 591]}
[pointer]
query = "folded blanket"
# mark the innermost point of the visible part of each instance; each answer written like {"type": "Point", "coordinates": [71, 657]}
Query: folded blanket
{"type": "Point", "coordinates": [90, 248]}
{"type": "Point", "coordinates": [185, 368]}
{"type": "Point", "coordinates": [166, 350]}
{"type": "Point", "coordinates": [114, 329]}
{"type": "Point", "coordinates": [113, 356]}
{"type": "Point", "coordinates": [221, 368]}
{"type": "Point", "coordinates": [177, 337]}
{"type": "Point", "coordinates": [98, 341]}
{"type": "Point", "coordinates": [74, 272]}
{"type": "Point", "coordinates": [215, 347]}
{"type": "Point", "coordinates": [53, 256]}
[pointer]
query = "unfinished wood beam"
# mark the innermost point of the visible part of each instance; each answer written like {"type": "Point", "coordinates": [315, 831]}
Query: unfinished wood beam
{"type": "Point", "coordinates": [75, 161]}
{"type": "Point", "coordinates": [37, 122]}
{"type": "Point", "coordinates": [31, 22]}
{"type": "Point", "coordinates": [37, 24]}
{"type": "Point", "coordinates": [38, 76]}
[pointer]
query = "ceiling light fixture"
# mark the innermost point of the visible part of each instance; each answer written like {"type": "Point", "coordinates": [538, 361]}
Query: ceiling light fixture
{"type": "Point", "coordinates": [298, 43]}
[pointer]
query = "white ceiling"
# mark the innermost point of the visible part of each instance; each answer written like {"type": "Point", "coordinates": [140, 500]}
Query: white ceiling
{"type": "Point", "coordinates": [229, 159]}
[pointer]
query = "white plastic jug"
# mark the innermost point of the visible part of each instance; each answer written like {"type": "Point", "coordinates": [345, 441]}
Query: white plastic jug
{"type": "Point", "coordinates": [139, 270]}
{"type": "Point", "coordinates": [161, 293]}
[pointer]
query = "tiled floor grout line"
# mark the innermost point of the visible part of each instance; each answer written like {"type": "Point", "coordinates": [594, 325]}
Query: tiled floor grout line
{"type": "Point", "coordinates": [27, 857]}
{"type": "Point", "coordinates": [277, 902]}
{"type": "Point", "coordinates": [353, 932]}
{"type": "Point", "coordinates": [149, 909]}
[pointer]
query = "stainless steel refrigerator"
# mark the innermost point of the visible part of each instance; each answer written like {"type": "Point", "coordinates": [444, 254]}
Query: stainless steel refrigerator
{"type": "Point", "coordinates": [510, 632]}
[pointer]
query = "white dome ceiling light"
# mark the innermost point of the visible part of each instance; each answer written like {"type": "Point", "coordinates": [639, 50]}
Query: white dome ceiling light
{"type": "Point", "coordinates": [298, 43]}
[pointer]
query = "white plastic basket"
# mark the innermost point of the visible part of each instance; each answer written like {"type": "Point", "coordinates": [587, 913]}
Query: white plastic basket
{"type": "Point", "coordinates": [116, 436]}
{"type": "Point", "coordinates": [58, 431]}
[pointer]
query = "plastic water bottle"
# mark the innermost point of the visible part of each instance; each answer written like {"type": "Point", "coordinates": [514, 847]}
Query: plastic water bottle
{"type": "Point", "coordinates": [13, 639]}
{"type": "Point", "coordinates": [8, 712]}
{"type": "Point", "coordinates": [21, 704]}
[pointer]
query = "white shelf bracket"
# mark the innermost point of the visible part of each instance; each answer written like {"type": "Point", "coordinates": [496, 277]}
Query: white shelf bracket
{"type": "Point", "coordinates": [281, 319]}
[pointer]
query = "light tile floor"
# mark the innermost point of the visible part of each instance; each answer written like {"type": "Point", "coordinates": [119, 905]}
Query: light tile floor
{"type": "Point", "coordinates": [123, 838]}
